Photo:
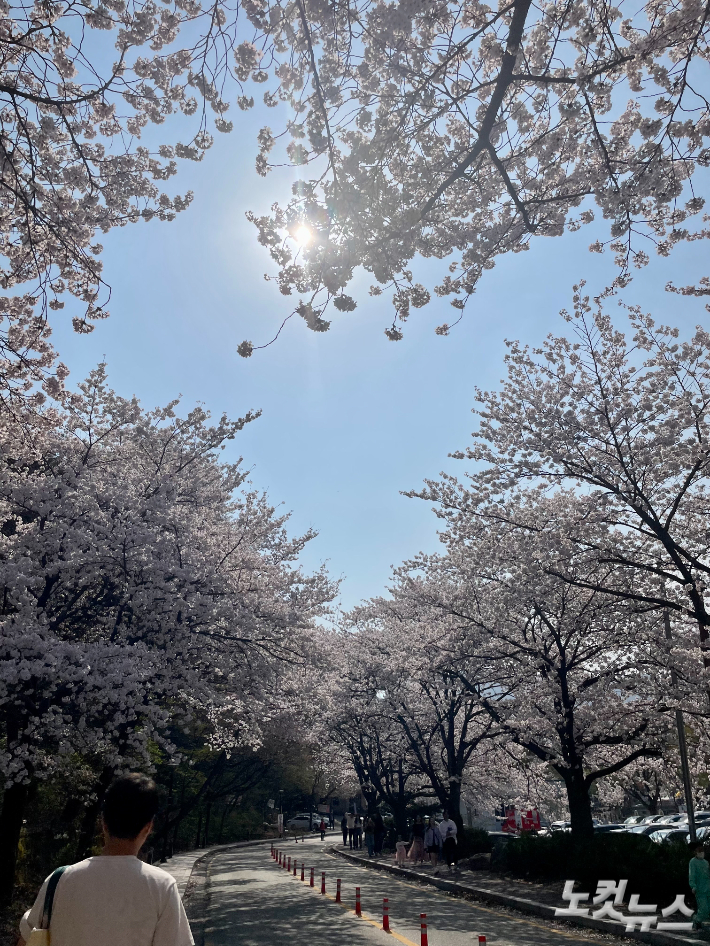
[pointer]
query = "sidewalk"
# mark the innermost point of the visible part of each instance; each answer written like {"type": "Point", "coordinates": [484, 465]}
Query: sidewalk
{"type": "Point", "coordinates": [536, 899]}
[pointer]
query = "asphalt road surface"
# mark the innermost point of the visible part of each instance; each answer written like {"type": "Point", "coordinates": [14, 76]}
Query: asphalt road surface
{"type": "Point", "coordinates": [254, 902]}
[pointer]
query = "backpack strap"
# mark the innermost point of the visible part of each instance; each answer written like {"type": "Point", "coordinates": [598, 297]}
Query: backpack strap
{"type": "Point", "coordinates": [49, 898]}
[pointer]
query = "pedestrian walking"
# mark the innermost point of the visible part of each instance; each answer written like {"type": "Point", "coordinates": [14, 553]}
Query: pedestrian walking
{"type": "Point", "coordinates": [114, 897]}
{"type": "Point", "coordinates": [699, 879]}
{"type": "Point", "coordinates": [344, 829]}
{"type": "Point", "coordinates": [351, 828]}
{"type": "Point", "coordinates": [370, 836]}
{"type": "Point", "coordinates": [448, 832]}
{"type": "Point", "coordinates": [416, 851]}
{"type": "Point", "coordinates": [358, 832]}
{"type": "Point", "coordinates": [380, 832]}
{"type": "Point", "coordinates": [321, 828]}
{"type": "Point", "coordinates": [432, 843]}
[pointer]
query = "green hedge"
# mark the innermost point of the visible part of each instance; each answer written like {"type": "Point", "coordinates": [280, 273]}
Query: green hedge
{"type": "Point", "coordinates": [657, 872]}
{"type": "Point", "coordinates": [474, 841]}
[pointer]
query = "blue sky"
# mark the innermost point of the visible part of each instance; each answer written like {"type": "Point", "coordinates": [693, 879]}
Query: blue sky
{"type": "Point", "coordinates": [349, 418]}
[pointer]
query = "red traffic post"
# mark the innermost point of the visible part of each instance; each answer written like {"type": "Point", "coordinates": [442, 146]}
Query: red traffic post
{"type": "Point", "coordinates": [337, 891]}
{"type": "Point", "coordinates": [425, 938]}
{"type": "Point", "coordinates": [312, 876]}
{"type": "Point", "coordinates": [288, 868]}
{"type": "Point", "coordinates": [481, 940]}
{"type": "Point", "coordinates": [385, 914]}
{"type": "Point", "coordinates": [302, 876]}
{"type": "Point", "coordinates": [280, 858]}
{"type": "Point", "coordinates": [322, 883]}
{"type": "Point", "coordinates": [294, 867]}
{"type": "Point", "coordinates": [358, 909]}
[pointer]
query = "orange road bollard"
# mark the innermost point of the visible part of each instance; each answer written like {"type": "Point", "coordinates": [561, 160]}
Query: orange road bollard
{"type": "Point", "coordinates": [358, 909]}
{"type": "Point", "coordinates": [302, 877]}
{"type": "Point", "coordinates": [322, 883]}
{"type": "Point", "coordinates": [312, 873]}
{"type": "Point", "coordinates": [337, 891]}
{"type": "Point", "coordinates": [385, 914]}
{"type": "Point", "coordinates": [425, 938]}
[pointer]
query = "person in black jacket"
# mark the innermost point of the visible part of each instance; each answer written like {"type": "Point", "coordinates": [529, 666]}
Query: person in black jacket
{"type": "Point", "coordinates": [344, 829]}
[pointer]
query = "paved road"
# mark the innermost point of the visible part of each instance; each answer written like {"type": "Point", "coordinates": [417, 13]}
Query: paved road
{"type": "Point", "coordinates": [253, 902]}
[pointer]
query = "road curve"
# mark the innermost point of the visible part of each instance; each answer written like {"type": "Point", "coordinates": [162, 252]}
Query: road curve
{"type": "Point", "coordinates": [251, 901]}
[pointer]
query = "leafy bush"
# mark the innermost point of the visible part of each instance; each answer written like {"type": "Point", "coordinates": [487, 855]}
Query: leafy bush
{"type": "Point", "coordinates": [473, 841]}
{"type": "Point", "coordinates": [657, 872]}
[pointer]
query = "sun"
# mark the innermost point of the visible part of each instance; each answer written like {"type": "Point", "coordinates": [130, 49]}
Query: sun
{"type": "Point", "coordinates": [303, 235]}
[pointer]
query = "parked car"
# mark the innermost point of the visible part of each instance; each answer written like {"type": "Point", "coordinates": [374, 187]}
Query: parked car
{"type": "Point", "coordinates": [302, 822]}
{"type": "Point", "coordinates": [606, 828]}
{"type": "Point", "coordinates": [666, 835]}
{"type": "Point", "coordinates": [672, 819]}
{"type": "Point", "coordinates": [646, 829]}
{"type": "Point", "coordinates": [633, 819]}
{"type": "Point", "coordinates": [651, 819]}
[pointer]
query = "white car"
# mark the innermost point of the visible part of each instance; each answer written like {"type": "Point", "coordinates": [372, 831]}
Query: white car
{"type": "Point", "coordinates": [302, 822]}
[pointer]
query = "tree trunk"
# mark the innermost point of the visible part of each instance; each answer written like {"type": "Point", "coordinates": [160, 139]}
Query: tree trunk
{"type": "Point", "coordinates": [221, 823]}
{"type": "Point", "coordinates": [207, 823]}
{"type": "Point", "coordinates": [88, 824]}
{"type": "Point", "coordinates": [13, 808]}
{"type": "Point", "coordinates": [580, 805]}
{"type": "Point", "coordinates": [454, 805]}
{"type": "Point", "coordinates": [199, 829]}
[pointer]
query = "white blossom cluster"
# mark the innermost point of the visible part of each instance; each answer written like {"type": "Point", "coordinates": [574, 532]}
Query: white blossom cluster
{"type": "Point", "coordinates": [460, 131]}
{"type": "Point", "coordinates": [142, 584]}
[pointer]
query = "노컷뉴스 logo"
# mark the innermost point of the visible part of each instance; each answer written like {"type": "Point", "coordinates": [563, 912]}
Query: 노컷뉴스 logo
{"type": "Point", "coordinates": [642, 916]}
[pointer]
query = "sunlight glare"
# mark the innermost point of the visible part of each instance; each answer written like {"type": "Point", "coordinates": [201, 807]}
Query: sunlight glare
{"type": "Point", "coordinates": [303, 235]}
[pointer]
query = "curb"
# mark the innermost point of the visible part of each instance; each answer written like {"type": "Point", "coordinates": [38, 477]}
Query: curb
{"type": "Point", "coordinates": [521, 904]}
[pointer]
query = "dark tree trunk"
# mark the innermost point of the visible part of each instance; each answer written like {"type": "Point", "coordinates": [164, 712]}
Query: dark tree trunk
{"type": "Point", "coordinates": [13, 808]}
{"type": "Point", "coordinates": [199, 829]}
{"type": "Point", "coordinates": [207, 823]}
{"type": "Point", "coordinates": [164, 847]}
{"type": "Point", "coordinates": [580, 805]}
{"type": "Point", "coordinates": [88, 824]}
{"type": "Point", "coordinates": [221, 823]}
{"type": "Point", "coordinates": [454, 805]}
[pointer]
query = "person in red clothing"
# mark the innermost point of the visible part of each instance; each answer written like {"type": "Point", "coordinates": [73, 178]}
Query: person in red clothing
{"type": "Point", "coordinates": [321, 827]}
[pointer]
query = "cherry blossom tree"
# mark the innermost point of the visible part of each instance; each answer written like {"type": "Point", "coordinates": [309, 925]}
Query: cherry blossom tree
{"type": "Point", "coordinates": [459, 132]}
{"type": "Point", "coordinates": [356, 722]}
{"type": "Point", "coordinates": [572, 675]}
{"type": "Point", "coordinates": [622, 421]}
{"type": "Point", "coordinates": [142, 583]}
{"type": "Point", "coordinates": [80, 86]}
{"type": "Point", "coordinates": [443, 726]}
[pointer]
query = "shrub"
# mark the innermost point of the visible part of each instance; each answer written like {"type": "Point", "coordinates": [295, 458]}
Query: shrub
{"type": "Point", "coordinates": [657, 872]}
{"type": "Point", "coordinates": [474, 841]}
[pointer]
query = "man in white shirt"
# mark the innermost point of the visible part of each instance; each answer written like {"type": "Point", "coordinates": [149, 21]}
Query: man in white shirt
{"type": "Point", "coordinates": [448, 832]}
{"type": "Point", "coordinates": [114, 898]}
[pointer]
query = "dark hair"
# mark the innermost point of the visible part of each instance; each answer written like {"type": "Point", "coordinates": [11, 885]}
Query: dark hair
{"type": "Point", "coordinates": [697, 846]}
{"type": "Point", "coordinates": [130, 803]}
